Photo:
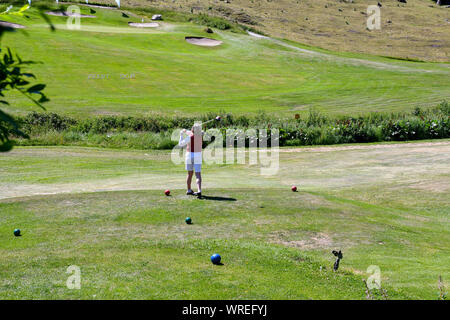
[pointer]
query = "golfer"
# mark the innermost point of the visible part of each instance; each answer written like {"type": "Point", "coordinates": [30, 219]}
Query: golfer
{"type": "Point", "coordinates": [193, 142]}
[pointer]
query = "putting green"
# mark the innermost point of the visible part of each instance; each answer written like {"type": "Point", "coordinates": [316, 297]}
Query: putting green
{"type": "Point", "coordinates": [107, 67]}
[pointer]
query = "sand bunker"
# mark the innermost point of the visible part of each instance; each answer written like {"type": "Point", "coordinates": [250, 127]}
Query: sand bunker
{"type": "Point", "coordinates": [66, 14]}
{"type": "Point", "coordinates": [11, 25]}
{"type": "Point", "coordinates": [206, 42]}
{"type": "Point", "coordinates": [143, 25]}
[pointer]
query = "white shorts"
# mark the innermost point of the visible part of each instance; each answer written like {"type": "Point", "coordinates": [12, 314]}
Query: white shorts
{"type": "Point", "coordinates": [194, 161]}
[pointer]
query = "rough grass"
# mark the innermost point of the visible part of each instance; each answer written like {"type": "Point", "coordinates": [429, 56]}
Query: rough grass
{"type": "Point", "coordinates": [134, 243]}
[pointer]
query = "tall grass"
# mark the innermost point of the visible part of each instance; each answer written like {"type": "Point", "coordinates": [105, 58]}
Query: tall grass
{"type": "Point", "coordinates": [311, 129]}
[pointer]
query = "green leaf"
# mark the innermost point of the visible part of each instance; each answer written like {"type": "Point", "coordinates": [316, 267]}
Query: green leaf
{"type": "Point", "coordinates": [36, 88]}
{"type": "Point", "coordinates": [6, 146]}
{"type": "Point", "coordinates": [21, 10]}
{"type": "Point", "coordinates": [7, 118]}
{"type": "Point", "coordinates": [43, 99]}
{"type": "Point", "coordinates": [25, 7]}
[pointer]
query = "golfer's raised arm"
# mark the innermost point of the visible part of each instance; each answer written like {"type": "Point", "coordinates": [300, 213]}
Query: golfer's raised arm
{"type": "Point", "coordinates": [183, 140]}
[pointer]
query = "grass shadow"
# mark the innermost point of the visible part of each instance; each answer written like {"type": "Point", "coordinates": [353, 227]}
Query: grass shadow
{"type": "Point", "coordinates": [217, 198]}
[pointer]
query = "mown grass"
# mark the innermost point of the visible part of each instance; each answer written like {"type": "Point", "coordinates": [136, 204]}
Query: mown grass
{"type": "Point", "coordinates": [110, 68]}
{"type": "Point", "coordinates": [134, 243]}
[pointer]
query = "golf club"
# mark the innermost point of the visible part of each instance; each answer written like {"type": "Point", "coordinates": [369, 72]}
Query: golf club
{"type": "Point", "coordinates": [218, 118]}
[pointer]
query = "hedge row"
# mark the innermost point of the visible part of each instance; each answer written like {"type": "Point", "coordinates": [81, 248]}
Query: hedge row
{"type": "Point", "coordinates": [311, 129]}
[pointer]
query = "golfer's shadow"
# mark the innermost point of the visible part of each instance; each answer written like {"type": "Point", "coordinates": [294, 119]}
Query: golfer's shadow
{"type": "Point", "coordinates": [217, 198]}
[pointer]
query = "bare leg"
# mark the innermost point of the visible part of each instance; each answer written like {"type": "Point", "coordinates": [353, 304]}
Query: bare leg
{"type": "Point", "coordinates": [189, 180]}
{"type": "Point", "coordinates": [198, 175]}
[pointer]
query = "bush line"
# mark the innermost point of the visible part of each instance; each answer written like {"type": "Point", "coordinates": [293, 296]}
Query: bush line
{"type": "Point", "coordinates": [311, 129]}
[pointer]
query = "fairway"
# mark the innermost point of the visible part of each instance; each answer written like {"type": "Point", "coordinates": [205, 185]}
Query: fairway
{"type": "Point", "coordinates": [107, 67]}
{"type": "Point", "coordinates": [104, 211]}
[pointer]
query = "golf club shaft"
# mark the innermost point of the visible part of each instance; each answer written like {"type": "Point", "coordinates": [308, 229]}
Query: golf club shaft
{"type": "Point", "coordinates": [211, 120]}
{"type": "Point", "coordinates": [208, 121]}
{"type": "Point", "coordinates": [204, 123]}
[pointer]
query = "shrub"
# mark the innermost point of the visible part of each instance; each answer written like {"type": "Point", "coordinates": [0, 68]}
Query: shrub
{"type": "Point", "coordinates": [154, 132]}
{"type": "Point", "coordinates": [212, 22]}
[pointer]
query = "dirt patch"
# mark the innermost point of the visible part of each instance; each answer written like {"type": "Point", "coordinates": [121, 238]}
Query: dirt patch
{"type": "Point", "coordinates": [243, 17]}
{"type": "Point", "coordinates": [366, 147]}
{"type": "Point", "coordinates": [314, 241]}
{"type": "Point", "coordinates": [322, 34]}
{"type": "Point", "coordinates": [11, 25]}
{"type": "Point", "coordinates": [66, 14]}
{"type": "Point", "coordinates": [205, 42]}
{"type": "Point", "coordinates": [143, 25]}
{"type": "Point", "coordinates": [432, 186]}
